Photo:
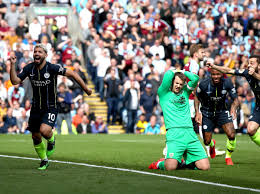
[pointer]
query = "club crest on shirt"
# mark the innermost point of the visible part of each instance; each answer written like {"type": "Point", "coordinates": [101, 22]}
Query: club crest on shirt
{"type": "Point", "coordinates": [171, 155]}
{"type": "Point", "coordinates": [46, 75]}
{"type": "Point", "coordinates": [224, 91]}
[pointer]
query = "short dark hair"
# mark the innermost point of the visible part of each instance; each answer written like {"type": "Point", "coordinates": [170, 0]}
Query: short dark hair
{"type": "Point", "coordinates": [194, 48]}
{"type": "Point", "coordinates": [257, 58]}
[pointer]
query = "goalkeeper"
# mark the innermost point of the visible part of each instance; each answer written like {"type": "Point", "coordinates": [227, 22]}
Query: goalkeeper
{"type": "Point", "coordinates": [181, 140]}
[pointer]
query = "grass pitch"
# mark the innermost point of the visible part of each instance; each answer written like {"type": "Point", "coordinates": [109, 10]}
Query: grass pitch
{"type": "Point", "coordinates": [134, 152]}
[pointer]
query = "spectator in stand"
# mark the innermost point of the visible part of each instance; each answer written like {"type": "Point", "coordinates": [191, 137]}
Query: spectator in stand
{"type": "Point", "coordinates": [148, 102]}
{"type": "Point", "coordinates": [26, 58]}
{"type": "Point", "coordinates": [157, 48]}
{"type": "Point", "coordinates": [102, 62]}
{"type": "Point", "coordinates": [27, 107]}
{"type": "Point", "coordinates": [3, 92]}
{"type": "Point", "coordinates": [88, 112]}
{"type": "Point", "coordinates": [159, 64]}
{"type": "Point", "coordinates": [62, 35]}
{"type": "Point", "coordinates": [85, 16]}
{"type": "Point", "coordinates": [109, 25]}
{"type": "Point", "coordinates": [9, 125]}
{"type": "Point", "coordinates": [15, 93]}
{"type": "Point", "coordinates": [64, 106]}
{"type": "Point", "coordinates": [76, 89]}
{"type": "Point", "coordinates": [112, 84]}
{"type": "Point", "coordinates": [35, 29]}
{"type": "Point", "coordinates": [12, 16]}
{"type": "Point", "coordinates": [3, 9]}
{"type": "Point", "coordinates": [17, 110]}
{"type": "Point", "coordinates": [67, 48]}
{"type": "Point", "coordinates": [99, 126]}
{"type": "Point", "coordinates": [160, 27]}
{"type": "Point", "coordinates": [84, 127]}
{"type": "Point", "coordinates": [77, 119]}
{"type": "Point", "coordinates": [22, 123]}
{"type": "Point", "coordinates": [152, 127]}
{"type": "Point", "coordinates": [3, 110]}
{"type": "Point", "coordinates": [131, 103]}
{"type": "Point", "coordinates": [141, 124]}
{"type": "Point", "coordinates": [146, 24]}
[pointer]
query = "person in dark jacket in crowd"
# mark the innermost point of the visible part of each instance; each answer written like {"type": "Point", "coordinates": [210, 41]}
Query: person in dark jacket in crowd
{"type": "Point", "coordinates": [112, 84]}
{"type": "Point", "coordinates": [64, 104]}
{"type": "Point", "coordinates": [131, 102]}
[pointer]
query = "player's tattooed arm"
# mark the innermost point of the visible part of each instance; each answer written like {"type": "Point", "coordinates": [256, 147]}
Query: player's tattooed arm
{"type": "Point", "coordinates": [78, 79]}
{"type": "Point", "coordinates": [233, 109]}
{"type": "Point", "coordinates": [13, 75]}
{"type": "Point", "coordinates": [222, 69]}
{"type": "Point", "coordinates": [198, 116]}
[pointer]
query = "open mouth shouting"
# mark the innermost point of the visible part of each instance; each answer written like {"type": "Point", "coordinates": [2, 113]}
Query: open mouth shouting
{"type": "Point", "coordinates": [37, 59]}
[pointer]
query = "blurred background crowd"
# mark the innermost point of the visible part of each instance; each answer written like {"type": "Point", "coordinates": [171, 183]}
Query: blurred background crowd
{"type": "Point", "coordinates": [126, 48]}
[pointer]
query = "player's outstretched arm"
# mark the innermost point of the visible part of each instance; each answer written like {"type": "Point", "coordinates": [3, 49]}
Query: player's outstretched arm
{"type": "Point", "coordinates": [78, 79]}
{"type": "Point", "coordinates": [222, 69]}
{"type": "Point", "coordinates": [13, 75]}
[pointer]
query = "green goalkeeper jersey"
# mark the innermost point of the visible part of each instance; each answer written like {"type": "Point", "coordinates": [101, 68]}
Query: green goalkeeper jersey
{"type": "Point", "coordinates": [175, 107]}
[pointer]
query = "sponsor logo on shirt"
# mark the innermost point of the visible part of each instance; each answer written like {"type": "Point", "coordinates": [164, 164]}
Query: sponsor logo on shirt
{"type": "Point", "coordinates": [40, 83]}
{"type": "Point", "coordinates": [216, 98]}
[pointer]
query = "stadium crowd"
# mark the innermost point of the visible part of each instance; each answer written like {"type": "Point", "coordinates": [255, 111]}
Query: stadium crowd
{"type": "Point", "coordinates": [127, 48]}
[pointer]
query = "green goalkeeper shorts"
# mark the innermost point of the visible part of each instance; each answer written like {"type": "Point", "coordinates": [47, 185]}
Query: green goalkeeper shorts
{"type": "Point", "coordinates": [183, 142]}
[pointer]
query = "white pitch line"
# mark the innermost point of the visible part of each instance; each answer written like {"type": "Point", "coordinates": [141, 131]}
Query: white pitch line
{"type": "Point", "coordinates": [140, 172]}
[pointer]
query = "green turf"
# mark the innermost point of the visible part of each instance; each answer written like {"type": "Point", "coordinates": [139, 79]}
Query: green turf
{"type": "Point", "coordinates": [125, 151]}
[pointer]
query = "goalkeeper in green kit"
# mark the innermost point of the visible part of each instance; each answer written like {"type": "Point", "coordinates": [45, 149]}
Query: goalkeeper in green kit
{"type": "Point", "coordinates": [181, 140]}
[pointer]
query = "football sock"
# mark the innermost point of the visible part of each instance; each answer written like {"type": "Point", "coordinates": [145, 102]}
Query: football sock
{"type": "Point", "coordinates": [256, 137]}
{"type": "Point", "coordinates": [211, 143]}
{"type": "Point", "coordinates": [231, 145]}
{"type": "Point", "coordinates": [51, 140]}
{"type": "Point", "coordinates": [41, 150]}
{"type": "Point", "coordinates": [160, 165]}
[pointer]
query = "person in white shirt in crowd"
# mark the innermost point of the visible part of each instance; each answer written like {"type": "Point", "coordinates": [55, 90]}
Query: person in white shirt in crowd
{"type": "Point", "coordinates": [157, 48]}
{"type": "Point", "coordinates": [3, 91]}
{"type": "Point", "coordinates": [102, 62]}
{"type": "Point", "coordinates": [85, 16]}
{"type": "Point", "coordinates": [35, 29]}
{"type": "Point", "coordinates": [159, 64]}
{"type": "Point", "coordinates": [17, 110]}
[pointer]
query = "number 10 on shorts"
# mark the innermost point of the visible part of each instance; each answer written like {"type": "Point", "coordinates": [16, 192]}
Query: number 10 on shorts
{"type": "Point", "coordinates": [51, 116]}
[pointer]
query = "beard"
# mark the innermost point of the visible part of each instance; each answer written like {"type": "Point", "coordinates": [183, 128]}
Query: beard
{"type": "Point", "coordinates": [39, 61]}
